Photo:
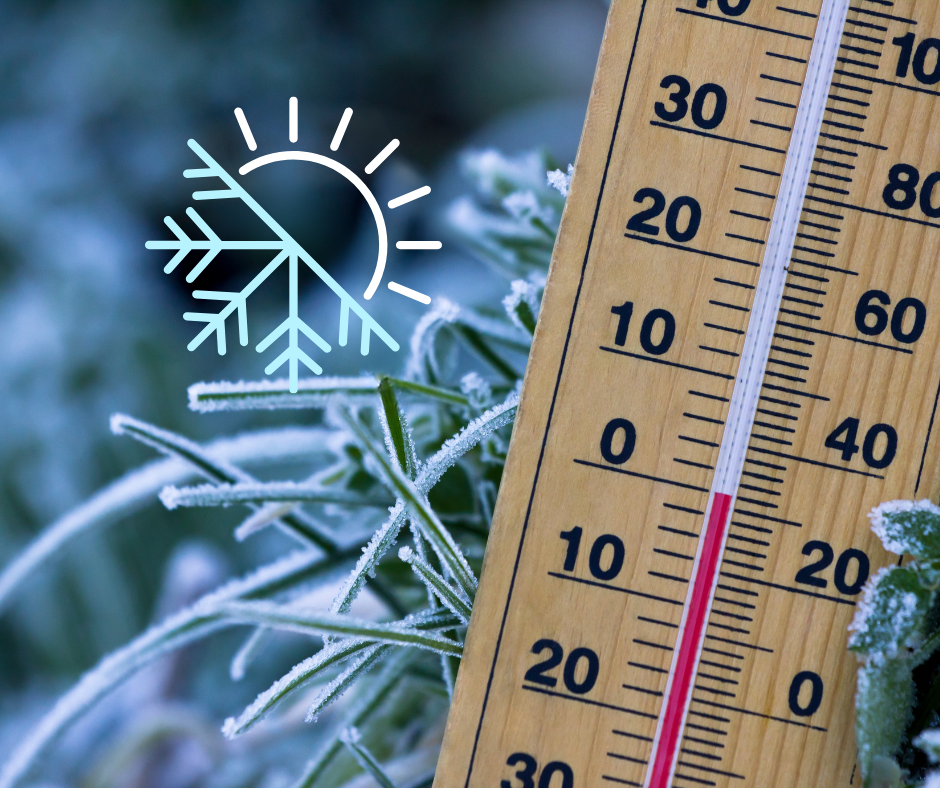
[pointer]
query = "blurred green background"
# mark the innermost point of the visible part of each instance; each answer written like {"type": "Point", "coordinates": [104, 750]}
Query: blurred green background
{"type": "Point", "coordinates": [97, 100]}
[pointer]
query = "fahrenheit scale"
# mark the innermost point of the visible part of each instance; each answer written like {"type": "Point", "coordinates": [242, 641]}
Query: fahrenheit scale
{"type": "Point", "coordinates": [737, 358]}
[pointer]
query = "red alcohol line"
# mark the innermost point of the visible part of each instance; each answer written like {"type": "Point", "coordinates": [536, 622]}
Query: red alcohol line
{"type": "Point", "coordinates": [689, 640]}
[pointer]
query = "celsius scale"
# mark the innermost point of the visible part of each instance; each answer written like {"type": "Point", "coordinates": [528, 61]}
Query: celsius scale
{"type": "Point", "coordinates": [738, 356]}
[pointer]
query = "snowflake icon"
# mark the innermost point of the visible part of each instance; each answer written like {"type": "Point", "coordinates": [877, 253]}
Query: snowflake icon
{"type": "Point", "coordinates": [287, 250]}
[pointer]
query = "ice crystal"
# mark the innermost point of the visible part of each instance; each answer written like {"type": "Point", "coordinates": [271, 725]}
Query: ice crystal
{"type": "Point", "coordinates": [414, 459]}
{"type": "Point", "coordinates": [560, 180]}
{"type": "Point", "coordinates": [287, 250]}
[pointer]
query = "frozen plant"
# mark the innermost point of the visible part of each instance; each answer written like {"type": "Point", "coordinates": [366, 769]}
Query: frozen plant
{"type": "Point", "coordinates": [896, 634]}
{"type": "Point", "coordinates": [410, 462]}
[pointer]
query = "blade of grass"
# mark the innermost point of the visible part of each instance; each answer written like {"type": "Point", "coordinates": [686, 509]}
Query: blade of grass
{"type": "Point", "coordinates": [166, 442]}
{"type": "Point", "coordinates": [312, 393]}
{"type": "Point", "coordinates": [312, 667]}
{"type": "Point", "coordinates": [306, 622]}
{"type": "Point", "coordinates": [260, 493]}
{"type": "Point", "coordinates": [192, 623]}
{"type": "Point", "coordinates": [369, 701]}
{"type": "Point", "coordinates": [432, 528]}
{"type": "Point", "coordinates": [436, 584]}
{"type": "Point", "coordinates": [136, 490]}
{"type": "Point", "coordinates": [275, 394]}
{"type": "Point", "coordinates": [351, 738]}
{"type": "Point", "coordinates": [452, 450]}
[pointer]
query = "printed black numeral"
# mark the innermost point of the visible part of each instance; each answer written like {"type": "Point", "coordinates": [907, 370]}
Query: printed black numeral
{"type": "Point", "coordinates": [526, 775]}
{"type": "Point", "coordinates": [639, 222]}
{"type": "Point", "coordinates": [871, 305]}
{"type": "Point", "coordinates": [908, 57]}
{"type": "Point", "coordinates": [605, 564]}
{"type": "Point", "coordinates": [579, 686]}
{"type": "Point", "coordinates": [816, 693]}
{"type": "Point", "coordinates": [808, 574]}
{"type": "Point", "coordinates": [596, 560]}
{"type": "Point", "coordinates": [679, 98]}
{"type": "Point", "coordinates": [845, 439]}
{"type": "Point", "coordinates": [573, 538]}
{"type": "Point", "coordinates": [727, 7]}
{"type": "Point", "coordinates": [903, 180]}
{"type": "Point", "coordinates": [536, 674]}
{"type": "Point", "coordinates": [648, 342]}
{"type": "Point", "coordinates": [611, 431]}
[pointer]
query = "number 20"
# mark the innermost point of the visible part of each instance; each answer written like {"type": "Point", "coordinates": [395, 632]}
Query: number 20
{"type": "Point", "coordinates": [639, 222]}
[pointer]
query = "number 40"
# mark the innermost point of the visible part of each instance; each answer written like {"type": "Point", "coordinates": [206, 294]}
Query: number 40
{"type": "Point", "coordinates": [845, 439]}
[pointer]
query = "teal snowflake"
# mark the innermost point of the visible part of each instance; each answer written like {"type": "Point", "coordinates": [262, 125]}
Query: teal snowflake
{"type": "Point", "coordinates": [287, 250]}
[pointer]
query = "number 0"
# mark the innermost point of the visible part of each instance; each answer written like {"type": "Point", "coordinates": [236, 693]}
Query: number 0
{"type": "Point", "coordinates": [625, 452]}
{"type": "Point", "coordinates": [816, 694]}
{"type": "Point", "coordinates": [553, 768]}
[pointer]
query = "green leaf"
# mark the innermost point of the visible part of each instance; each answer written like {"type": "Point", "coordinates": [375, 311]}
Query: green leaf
{"type": "Point", "coordinates": [892, 613]}
{"type": "Point", "coordinates": [476, 342]}
{"type": "Point", "coordinates": [368, 702]}
{"type": "Point", "coordinates": [431, 527]}
{"type": "Point", "coordinates": [299, 676]}
{"type": "Point", "coordinates": [397, 431]}
{"type": "Point", "coordinates": [883, 705]}
{"type": "Point", "coordinates": [437, 584]}
{"type": "Point", "coordinates": [311, 393]}
{"type": "Point", "coordinates": [351, 738]}
{"type": "Point", "coordinates": [327, 657]}
{"type": "Point", "coordinates": [910, 527]}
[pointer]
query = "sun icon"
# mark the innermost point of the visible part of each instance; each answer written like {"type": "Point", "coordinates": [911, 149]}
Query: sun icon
{"type": "Point", "coordinates": [287, 251]}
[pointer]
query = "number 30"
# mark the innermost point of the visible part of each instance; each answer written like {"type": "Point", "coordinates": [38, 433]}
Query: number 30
{"type": "Point", "coordinates": [526, 775]}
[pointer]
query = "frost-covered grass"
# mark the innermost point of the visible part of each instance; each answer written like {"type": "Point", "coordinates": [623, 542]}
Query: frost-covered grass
{"type": "Point", "coordinates": [411, 462]}
{"type": "Point", "coordinates": [896, 635]}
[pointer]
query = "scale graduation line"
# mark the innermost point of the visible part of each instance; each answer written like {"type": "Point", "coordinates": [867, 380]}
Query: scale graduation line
{"type": "Point", "coordinates": [706, 420]}
{"type": "Point", "coordinates": [745, 398]}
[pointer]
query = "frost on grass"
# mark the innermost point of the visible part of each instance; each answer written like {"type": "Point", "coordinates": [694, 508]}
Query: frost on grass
{"type": "Point", "coordinates": [929, 742]}
{"type": "Point", "coordinates": [560, 180]}
{"type": "Point", "coordinates": [414, 462]}
{"type": "Point", "coordinates": [895, 631]}
{"type": "Point", "coordinates": [883, 703]}
{"type": "Point", "coordinates": [276, 394]}
{"type": "Point", "coordinates": [522, 305]}
{"type": "Point", "coordinates": [908, 527]}
{"type": "Point", "coordinates": [891, 614]}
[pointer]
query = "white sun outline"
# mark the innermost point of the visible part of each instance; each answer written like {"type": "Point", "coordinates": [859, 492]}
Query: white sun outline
{"type": "Point", "coordinates": [288, 252]}
{"type": "Point", "coordinates": [355, 180]}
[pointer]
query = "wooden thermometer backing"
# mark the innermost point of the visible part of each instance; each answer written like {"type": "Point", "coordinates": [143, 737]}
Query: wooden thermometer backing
{"type": "Point", "coordinates": [736, 359]}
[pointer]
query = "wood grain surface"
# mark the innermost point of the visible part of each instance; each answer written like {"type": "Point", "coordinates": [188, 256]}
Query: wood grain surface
{"type": "Point", "coordinates": [856, 339]}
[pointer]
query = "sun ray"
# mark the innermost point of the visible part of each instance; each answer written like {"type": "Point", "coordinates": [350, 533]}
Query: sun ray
{"type": "Point", "coordinates": [387, 151]}
{"type": "Point", "coordinates": [406, 198]}
{"type": "Point", "coordinates": [413, 245]}
{"type": "Point", "coordinates": [414, 295]}
{"type": "Point", "coordinates": [292, 120]}
{"type": "Point", "coordinates": [246, 129]}
{"type": "Point", "coordinates": [341, 129]}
